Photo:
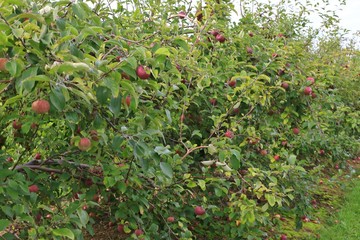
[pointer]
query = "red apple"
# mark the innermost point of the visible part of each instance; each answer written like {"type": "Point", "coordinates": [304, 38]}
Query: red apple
{"type": "Point", "coordinates": [33, 188]}
{"type": "Point", "coordinates": [283, 237]}
{"type": "Point", "coordinates": [251, 34]}
{"type": "Point", "coordinates": [125, 76]}
{"type": "Point", "coordinates": [37, 156]}
{"type": "Point", "coordinates": [229, 134]}
{"type": "Point", "coordinates": [38, 217]}
{"type": "Point", "coordinates": [337, 166]}
{"type": "Point", "coordinates": [213, 101]}
{"type": "Point", "coordinates": [120, 228]}
{"type": "Point", "coordinates": [199, 211]}
{"type": "Point", "coordinates": [313, 95]}
{"type": "Point", "coordinates": [170, 219]}
{"type": "Point", "coordinates": [285, 85]}
{"type": "Point", "coordinates": [9, 159]}
{"type": "Point", "coordinates": [143, 72]}
{"type": "Point", "coordinates": [220, 38]}
{"type": "Point", "coordinates": [276, 157]}
{"type": "Point", "coordinates": [16, 124]}
{"type": "Point", "coordinates": [84, 144]}
{"type": "Point", "coordinates": [214, 32]}
{"type": "Point", "coordinates": [40, 106]}
{"type": "Point", "coordinates": [284, 143]}
{"type": "Point", "coordinates": [89, 182]}
{"type": "Point", "coordinates": [311, 80]}
{"type": "Point", "coordinates": [182, 117]}
{"type": "Point", "coordinates": [3, 62]}
{"type": "Point", "coordinates": [322, 152]}
{"type": "Point", "coordinates": [182, 14]}
{"type": "Point", "coordinates": [249, 50]}
{"type": "Point", "coordinates": [263, 152]}
{"type": "Point", "coordinates": [231, 83]}
{"type": "Point", "coordinates": [138, 232]}
{"type": "Point", "coordinates": [296, 131]}
{"type": "Point", "coordinates": [128, 100]}
{"type": "Point", "coordinates": [307, 91]}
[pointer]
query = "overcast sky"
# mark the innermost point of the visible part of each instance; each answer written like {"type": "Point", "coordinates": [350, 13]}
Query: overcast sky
{"type": "Point", "coordinates": [349, 15]}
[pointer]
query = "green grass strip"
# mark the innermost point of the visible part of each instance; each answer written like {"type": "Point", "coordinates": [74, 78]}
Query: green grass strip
{"type": "Point", "coordinates": [349, 225]}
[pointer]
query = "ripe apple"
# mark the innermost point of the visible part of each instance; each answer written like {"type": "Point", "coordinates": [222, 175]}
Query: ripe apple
{"type": "Point", "coordinates": [263, 152]}
{"type": "Point", "coordinates": [89, 182]}
{"type": "Point", "coordinates": [322, 152]}
{"type": "Point", "coordinates": [170, 219]}
{"type": "Point", "coordinates": [307, 91]}
{"type": "Point", "coordinates": [84, 144]}
{"type": "Point", "coordinates": [280, 72]}
{"type": "Point", "coordinates": [143, 72]}
{"type": "Point", "coordinates": [3, 62]}
{"type": "Point", "coordinates": [40, 106]}
{"type": "Point", "coordinates": [213, 101]}
{"type": "Point", "coordinates": [283, 237]}
{"type": "Point", "coordinates": [38, 217]}
{"type": "Point", "coordinates": [16, 124]}
{"type": "Point", "coordinates": [285, 85]}
{"type": "Point", "coordinates": [296, 131]}
{"type": "Point", "coordinates": [182, 117]}
{"type": "Point", "coordinates": [251, 34]}
{"type": "Point", "coordinates": [311, 80]}
{"type": "Point", "coordinates": [37, 156]}
{"type": "Point", "coordinates": [220, 38]}
{"type": "Point", "coordinates": [9, 159]}
{"type": "Point", "coordinates": [128, 100]}
{"type": "Point", "coordinates": [313, 95]}
{"type": "Point", "coordinates": [120, 228]}
{"type": "Point", "coordinates": [276, 157]}
{"type": "Point", "coordinates": [229, 134]}
{"type": "Point", "coordinates": [182, 14]}
{"type": "Point", "coordinates": [337, 166]}
{"type": "Point", "coordinates": [138, 232]}
{"type": "Point", "coordinates": [214, 32]}
{"type": "Point", "coordinates": [33, 188]}
{"type": "Point", "coordinates": [249, 50]}
{"type": "Point", "coordinates": [231, 83]}
{"type": "Point", "coordinates": [284, 143]}
{"type": "Point", "coordinates": [199, 211]}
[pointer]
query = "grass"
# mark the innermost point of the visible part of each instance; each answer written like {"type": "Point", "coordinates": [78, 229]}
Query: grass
{"type": "Point", "coordinates": [348, 224]}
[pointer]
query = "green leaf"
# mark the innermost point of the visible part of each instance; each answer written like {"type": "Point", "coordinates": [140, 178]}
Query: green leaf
{"type": "Point", "coordinates": [4, 223]}
{"type": "Point", "coordinates": [163, 51]}
{"type": "Point", "coordinates": [202, 184]}
{"type": "Point", "coordinates": [113, 85]}
{"type": "Point", "coordinates": [292, 159]}
{"type": "Point", "coordinates": [83, 216]}
{"type": "Point", "coordinates": [57, 99]}
{"type": "Point", "coordinates": [161, 150]}
{"type": "Point", "coordinates": [270, 198]}
{"type": "Point", "coordinates": [115, 105]}
{"type": "Point", "coordinates": [63, 232]}
{"type": "Point", "coordinates": [166, 169]}
{"type": "Point", "coordinates": [79, 11]}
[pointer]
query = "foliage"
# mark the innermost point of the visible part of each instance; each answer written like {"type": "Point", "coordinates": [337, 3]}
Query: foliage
{"type": "Point", "coordinates": [203, 130]}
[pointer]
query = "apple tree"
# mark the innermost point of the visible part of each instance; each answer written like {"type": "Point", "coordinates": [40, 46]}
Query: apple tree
{"type": "Point", "coordinates": [166, 118]}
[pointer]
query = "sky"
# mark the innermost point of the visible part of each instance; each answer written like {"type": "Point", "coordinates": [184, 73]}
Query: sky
{"type": "Point", "coordinates": [349, 14]}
